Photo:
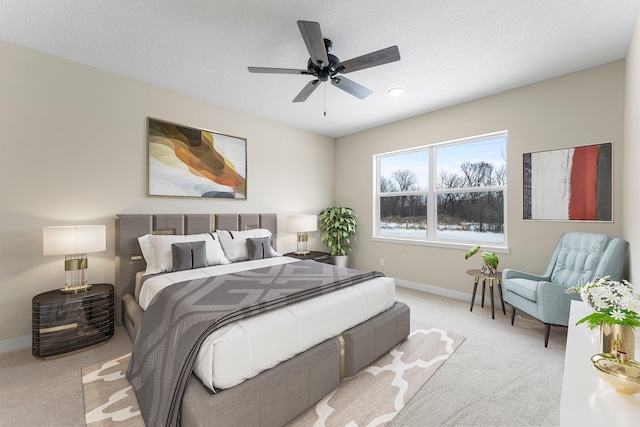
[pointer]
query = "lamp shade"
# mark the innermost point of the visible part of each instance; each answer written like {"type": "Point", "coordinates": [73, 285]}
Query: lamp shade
{"type": "Point", "coordinates": [75, 239]}
{"type": "Point", "coordinates": [302, 223]}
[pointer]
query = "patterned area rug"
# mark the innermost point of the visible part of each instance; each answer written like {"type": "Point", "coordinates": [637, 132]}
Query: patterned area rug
{"type": "Point", "coordinates": [372, 397]}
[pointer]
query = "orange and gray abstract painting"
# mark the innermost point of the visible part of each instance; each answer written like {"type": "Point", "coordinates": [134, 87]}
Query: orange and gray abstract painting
{"type": "Point", "coordinates": [189, 162]}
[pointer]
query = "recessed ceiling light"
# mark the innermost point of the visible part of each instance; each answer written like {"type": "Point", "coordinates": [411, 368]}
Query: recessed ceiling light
{"type": "Point", "coordinates": [396, 91]}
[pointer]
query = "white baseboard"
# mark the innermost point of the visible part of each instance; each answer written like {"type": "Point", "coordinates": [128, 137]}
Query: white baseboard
{"type": "Point", "coordinates": [434, 290]}
{"type": "Point", "coordinates": [15, 344]}
{"type": "Point", "coordinates": [462, 296]}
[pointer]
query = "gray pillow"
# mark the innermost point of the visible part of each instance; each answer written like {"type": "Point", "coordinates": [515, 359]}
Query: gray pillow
{"type": "Point", "coordinates": [259, 248]}
{"type": "Point", "coordinates": [189, 255]}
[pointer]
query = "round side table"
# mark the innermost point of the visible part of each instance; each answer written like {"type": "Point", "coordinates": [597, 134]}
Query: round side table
{"type": "Point", "coordinates": [491, 277]}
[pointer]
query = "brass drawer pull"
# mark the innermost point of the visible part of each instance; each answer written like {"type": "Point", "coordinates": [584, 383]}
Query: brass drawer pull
{"type": "Point", "coordinates": [59, 328]}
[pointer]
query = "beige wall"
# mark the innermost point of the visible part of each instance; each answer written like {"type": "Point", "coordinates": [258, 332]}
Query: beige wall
{"type": "Point", "coordinates": [576, 109]}
{"type": "Point", "coordinates": [73, 152]}
{"type": "Point", "coordinates": [631, 203]}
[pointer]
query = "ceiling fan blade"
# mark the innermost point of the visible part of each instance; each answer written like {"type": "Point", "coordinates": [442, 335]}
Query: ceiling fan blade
{"type": "Point", "coordinates": [373, 59]}
{"type": "Point", "coordinates": [312, 37]}
{"type": "Point", "coordinates": [306, 91]}
{"type": "Point", "coordinates": [268, 70]}
{"type": "Point", "coordinates": [351, 87]}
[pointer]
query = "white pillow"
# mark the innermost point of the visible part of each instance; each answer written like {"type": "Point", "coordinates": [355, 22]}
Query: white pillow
{"type": "Point", "coordinates": [234, 243]}
{"type": "Point", "coordinates": [156, 250]}
{"type": "Point", "coordinates": [148, 254]}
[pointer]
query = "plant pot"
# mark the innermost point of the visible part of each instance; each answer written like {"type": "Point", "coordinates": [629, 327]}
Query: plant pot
{"type": "Point", "coordinates": [340, 260]}
{"type": "Point", "coordinates": [614, 338]}
{"type": "Point", "coordinates": [486, 269]}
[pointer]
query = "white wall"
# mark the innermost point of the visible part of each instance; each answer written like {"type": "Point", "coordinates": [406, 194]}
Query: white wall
{"type": "Point", "coordinates": [74, 152]}
{"type": "Point", "coordinates": [577, 109]}
{"type": "Point", "coordinates": [631, 202]}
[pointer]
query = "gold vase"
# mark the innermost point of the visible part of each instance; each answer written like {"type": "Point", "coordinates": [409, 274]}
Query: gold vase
{"type": "Point", "coordinates": [614, 338]}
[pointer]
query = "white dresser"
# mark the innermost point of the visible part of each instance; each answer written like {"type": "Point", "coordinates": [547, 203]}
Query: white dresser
{"type": "Point", "coordinates": [586, 399]}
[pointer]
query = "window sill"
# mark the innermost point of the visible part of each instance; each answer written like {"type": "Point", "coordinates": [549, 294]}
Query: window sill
{"type": "Point", "coordinates": [440, 244]}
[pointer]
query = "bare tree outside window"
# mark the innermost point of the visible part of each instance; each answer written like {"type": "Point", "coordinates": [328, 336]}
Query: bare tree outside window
{"type": "Point", "coordinates": [403, 185]}
{"type": "Point", "coordinates": [469, 181]}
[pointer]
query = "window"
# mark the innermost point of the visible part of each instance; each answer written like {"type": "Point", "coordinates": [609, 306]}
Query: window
{"type": "Point", "coordinates": [451, 192]}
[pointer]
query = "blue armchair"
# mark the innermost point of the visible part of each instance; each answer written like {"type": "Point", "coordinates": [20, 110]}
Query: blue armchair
{"type": "Point", "coordinates": [577, 259]}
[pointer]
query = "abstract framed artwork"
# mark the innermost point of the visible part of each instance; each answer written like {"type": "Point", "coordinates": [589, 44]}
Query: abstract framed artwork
{"type": "Point", "coordinates": [189, 162]}
{"type": "Point", "coordinates": [571, 184]}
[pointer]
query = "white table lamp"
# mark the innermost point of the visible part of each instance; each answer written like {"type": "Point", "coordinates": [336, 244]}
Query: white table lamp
{"type": "Point", "coordinates": [74, 242]}
{"type": "Point", "coordinates": [302, 224]}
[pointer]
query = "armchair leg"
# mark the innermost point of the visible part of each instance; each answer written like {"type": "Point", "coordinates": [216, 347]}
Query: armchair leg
{"type": "Point", "coordinates": [513, 314]}
{"type": "Point", "coordinates": [547, 329]}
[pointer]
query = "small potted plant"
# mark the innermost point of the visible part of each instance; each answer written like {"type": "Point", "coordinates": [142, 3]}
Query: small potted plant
{"type": "Point", "coordinates": [490, 260]}
{"type": "Point", "coordinates": [337, 225]}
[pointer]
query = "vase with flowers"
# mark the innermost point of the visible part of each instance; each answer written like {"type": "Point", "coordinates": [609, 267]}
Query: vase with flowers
{"type": "Point", "coordinates": [615, 310]}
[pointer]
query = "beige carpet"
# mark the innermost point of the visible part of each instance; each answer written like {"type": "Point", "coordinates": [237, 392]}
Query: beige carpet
{"type": "Point", "coordinates": [372, 397]}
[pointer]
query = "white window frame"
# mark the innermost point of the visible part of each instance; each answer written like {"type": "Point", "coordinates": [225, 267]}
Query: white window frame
{"type": "Point", "coordinates": [432, 194]}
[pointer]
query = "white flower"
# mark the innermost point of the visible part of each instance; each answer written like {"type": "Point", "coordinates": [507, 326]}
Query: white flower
{"type": "Point", "coordinates": [604, 292]}
{"type": "Point", "coordinates": [599, 303]}
{"type": "Point", "coordinates": [625, 292]}
{"type": "Point", "coordinates": [617, 314]}
{"type": "Point", "coordinates": [634, 306]}
{"type": "Point", "coordinates": [627, 302]}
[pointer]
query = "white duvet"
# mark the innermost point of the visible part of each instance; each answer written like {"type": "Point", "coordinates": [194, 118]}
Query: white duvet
{"type": "Point", "coordinates": [243, 349]}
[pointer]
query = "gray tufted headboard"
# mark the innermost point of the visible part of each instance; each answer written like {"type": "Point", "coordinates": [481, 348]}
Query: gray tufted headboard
{"type": "Point", "coordinates": [129, 227]}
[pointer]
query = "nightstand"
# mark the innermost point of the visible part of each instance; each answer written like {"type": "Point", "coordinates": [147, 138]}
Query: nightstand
{"type": "Point", "coordinates": [314, 255]}
{"type": "Point", "coordinates": [66, 322]}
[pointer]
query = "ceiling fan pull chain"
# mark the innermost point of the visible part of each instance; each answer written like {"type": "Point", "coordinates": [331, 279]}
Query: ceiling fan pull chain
{"type": "Point", "coordinates": [325, 100]}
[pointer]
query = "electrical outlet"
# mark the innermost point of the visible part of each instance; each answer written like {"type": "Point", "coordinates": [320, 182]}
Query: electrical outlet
{"type": "Point", "coordinates": [381, 261]}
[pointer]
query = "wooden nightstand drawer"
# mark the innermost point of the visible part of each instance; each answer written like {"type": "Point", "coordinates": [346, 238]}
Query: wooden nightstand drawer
{"type": "Point", "coordinates": [67, 322]}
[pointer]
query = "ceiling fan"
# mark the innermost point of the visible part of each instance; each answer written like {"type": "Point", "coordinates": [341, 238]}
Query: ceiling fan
{"type": "Point", "coordinates": [325, 66]}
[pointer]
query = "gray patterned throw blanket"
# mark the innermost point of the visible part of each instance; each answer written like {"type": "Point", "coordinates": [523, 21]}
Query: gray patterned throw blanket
{"type": "Point", "coordinates": [183, 315]}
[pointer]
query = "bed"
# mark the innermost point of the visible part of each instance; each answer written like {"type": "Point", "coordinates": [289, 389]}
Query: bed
{"type": "Point", "coordinates": [278, 393]}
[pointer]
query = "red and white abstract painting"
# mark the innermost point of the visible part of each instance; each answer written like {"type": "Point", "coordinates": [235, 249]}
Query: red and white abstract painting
{"type": "Point", "coordinates": [568, 184]}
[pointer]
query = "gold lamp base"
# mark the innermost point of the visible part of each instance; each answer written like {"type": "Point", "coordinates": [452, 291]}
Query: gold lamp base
{"type": "Point", "coordinates": [303, 238]}
{"type": "Point", "coordinates": [75, 267]}
{"type": "Point", "coordinates": [75, 289]}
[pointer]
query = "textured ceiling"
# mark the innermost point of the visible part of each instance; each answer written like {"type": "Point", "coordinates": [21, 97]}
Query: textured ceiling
{"type": "Point", "coordinates": [452, 51]}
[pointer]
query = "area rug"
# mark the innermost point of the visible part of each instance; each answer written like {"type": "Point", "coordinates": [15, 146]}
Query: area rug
{"type": "Point", "coordinates": [372, 397]}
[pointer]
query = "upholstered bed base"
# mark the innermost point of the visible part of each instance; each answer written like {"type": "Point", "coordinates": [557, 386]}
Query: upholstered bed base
{"type": "Point", "coordinates": [132, 315]}
{"type": "Point", "coordinates": [279, 394]}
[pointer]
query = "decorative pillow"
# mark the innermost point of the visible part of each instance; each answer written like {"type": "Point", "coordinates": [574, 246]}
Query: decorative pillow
{"type": "Point", "coordinates": [157, 252]}
{"type": "Point", "coordinates": [259, 248]}
{"type": "Point", "coordinates": [234, 243]}
{"type": "Point", "coordinates": [148, 254]}
{"type": "Point", "coordinates": [190, 255]}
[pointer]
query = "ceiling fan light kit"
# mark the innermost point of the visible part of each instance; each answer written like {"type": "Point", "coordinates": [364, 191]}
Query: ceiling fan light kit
{"type": "Point", "coordinates": [325, 66]}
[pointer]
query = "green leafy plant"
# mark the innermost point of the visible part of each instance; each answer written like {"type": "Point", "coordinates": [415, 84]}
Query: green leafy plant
{"type": "Point", "coordinates": [489, 258]}
{"type": "Point", "coordinates": [337, 225]}
{"type": "Point", "coordinates": [613, 303]}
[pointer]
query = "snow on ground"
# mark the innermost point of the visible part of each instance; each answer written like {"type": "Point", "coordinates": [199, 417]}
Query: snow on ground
{"type": "Point", "coordinates": [398, 230]}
